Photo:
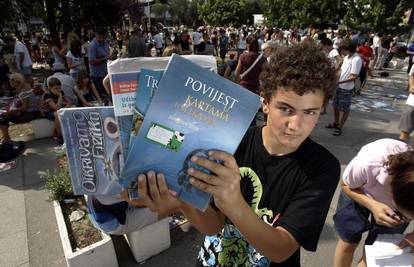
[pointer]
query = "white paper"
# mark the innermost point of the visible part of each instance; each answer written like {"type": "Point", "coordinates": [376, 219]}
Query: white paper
{"type": "Point", "coordinates": [384, 252]}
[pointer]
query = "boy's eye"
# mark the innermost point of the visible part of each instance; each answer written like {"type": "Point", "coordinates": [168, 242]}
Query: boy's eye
{"type": "Point", "coordinates": [310, 112]}
{"type": "Point", "coordinates": [286, 110]}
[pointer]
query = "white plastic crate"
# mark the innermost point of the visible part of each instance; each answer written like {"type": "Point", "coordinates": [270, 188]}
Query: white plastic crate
{"type": "Point", "coordinates": [150, 240]}
{"type": "Point", "coordinates": [42, 128]}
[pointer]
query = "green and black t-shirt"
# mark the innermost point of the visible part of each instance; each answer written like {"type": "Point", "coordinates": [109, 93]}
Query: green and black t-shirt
{"type": "Point", "coordinates": [293, 191]}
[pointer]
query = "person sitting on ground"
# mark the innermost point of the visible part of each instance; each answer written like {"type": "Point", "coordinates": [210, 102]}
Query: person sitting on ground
{"type": "Point", "coordinates": [378, 182]}
{"type": "Point", "coordinates": [86, 91]}
{"type": "Point", "coordinates": [172, 47]}
{"type": "Point", "coordinates": [205, 47]}
{"type": "Point", "coordinates": [24, 108]}
{"type": "Point", "coordinates": [68, 83]}
{"type": "Point", "coordinates": [53, 100]}
{"type": "Point", "coordinates": [228, 68]}
{"type": "Point", "coordinates": [246, 228]}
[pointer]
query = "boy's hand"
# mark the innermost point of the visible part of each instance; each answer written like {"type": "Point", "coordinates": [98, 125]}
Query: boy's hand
{"type": "Point", "coordinates": [154, 194]}
{"type": "Point", "coordinates": [384, 215]}
{"type": "Point", "coordinates": [223, 183]}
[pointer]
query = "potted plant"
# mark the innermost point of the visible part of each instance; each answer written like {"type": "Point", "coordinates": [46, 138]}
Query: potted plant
{"type": "Point", "coordinates": [83, 244]}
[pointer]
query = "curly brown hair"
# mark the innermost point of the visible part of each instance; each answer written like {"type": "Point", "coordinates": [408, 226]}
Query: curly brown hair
{"type": "Point", "coordinates": [302, 68]}
{"type": "Point", "coordinates": [401, 167]}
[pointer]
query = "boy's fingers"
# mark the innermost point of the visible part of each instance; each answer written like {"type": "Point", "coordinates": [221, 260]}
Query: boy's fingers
{"type": "Point", "coordinates": [142, 187]}
{"type": "Point", "coordinates": [153, 187]}
{"type": "Point", "coordinates": [201, 176]}
{"type": "Point", "coordinates": [228, 160]}
{"type": "Point", "coordinates": [162, 185]}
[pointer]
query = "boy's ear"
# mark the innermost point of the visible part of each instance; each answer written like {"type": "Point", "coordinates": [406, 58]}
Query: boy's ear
{"type": "Point", "coordinates": [265, 106]}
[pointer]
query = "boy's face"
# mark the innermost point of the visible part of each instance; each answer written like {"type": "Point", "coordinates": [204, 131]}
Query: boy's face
{"type": "Point", "coordinates": [55, 89]}
{"type": "Point", "coordinates": [291, 118]}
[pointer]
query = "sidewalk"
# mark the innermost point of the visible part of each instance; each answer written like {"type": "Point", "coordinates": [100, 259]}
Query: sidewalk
{"type": "Point", "coordinates": [28, 229]}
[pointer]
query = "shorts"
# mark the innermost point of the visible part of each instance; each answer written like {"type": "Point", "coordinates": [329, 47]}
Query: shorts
{"type": "Point", "coordinates": [407, 120]}
{"type": "Point", "coordinates": [342, 100]}
{"type": "Point", "coordinates": [23, 117]}
{"type": "Point", "coordinates": [351, 220]}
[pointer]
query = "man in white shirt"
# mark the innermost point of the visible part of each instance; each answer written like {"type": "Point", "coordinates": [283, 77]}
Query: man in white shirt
{"type": "Point", "coordinates": [21, 54]}
{"type": "Point", "coordinates": [407, 116]}
{"type": "Point", "coordinates": [350, 69]}
{"type": "Point", "coordinates": [377, 49]}
{"type": "Point", "coordinates": [196, 37]}
{"type": "Point", "coordinates": [159, 43]}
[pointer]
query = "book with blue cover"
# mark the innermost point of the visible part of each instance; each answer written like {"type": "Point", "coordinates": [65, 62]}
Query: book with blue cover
{"type": "Point", "coordinates": [193, 111]}
{"type": "Point", "coordinates": [93, 148]}
{"type": "Point", "coordinates": [148, 84]}
{"type": "Point", "coordinates": [124, 77]}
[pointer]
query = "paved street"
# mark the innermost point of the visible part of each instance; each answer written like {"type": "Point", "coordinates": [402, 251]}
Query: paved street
{"type": "Point", "coordinates": [28, 229]}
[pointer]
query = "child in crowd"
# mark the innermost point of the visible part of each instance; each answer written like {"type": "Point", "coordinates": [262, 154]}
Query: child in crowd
{"type": "Point", "coordinates": [378, 182]}
{"type": "Point", "coordinates": [85, 90]}
{"type": "Point", "coordinates": [53, 100]}
{"type": "Point", "coordinates": [272, 196]}
{"type": "Point", "coordinates": [407, 116]}
{"type": "Point", "coordinates": [23, 108]}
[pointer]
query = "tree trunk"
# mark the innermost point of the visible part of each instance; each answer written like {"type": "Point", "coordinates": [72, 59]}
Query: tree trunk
{"type": "Point", "coordinates": [67, 24]}
{"type": "Point", "coordinates": [51, 19]}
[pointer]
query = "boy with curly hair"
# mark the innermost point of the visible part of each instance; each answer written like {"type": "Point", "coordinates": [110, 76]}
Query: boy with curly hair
{"type": "Point", "coordinates": [272, 196]}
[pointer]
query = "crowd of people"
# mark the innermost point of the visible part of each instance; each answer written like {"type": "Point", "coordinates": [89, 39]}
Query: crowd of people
{"type": "Point", "coordinates": [297, 73]}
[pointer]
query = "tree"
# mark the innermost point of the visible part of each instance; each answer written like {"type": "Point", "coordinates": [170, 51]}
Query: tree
{"type": "Point", "coordinates": [160, 10]}
{"type": "Point", "coordinates": [218, 12]}
{"type": "Point", "coordinates": [179, 10]}
{"type": "Point", "coordinates": [380, 15]}
{"type": "Point", "coordinates": [287, 14]}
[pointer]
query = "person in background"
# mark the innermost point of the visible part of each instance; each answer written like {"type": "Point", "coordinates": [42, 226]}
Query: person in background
{"type": "Point", "coordinates": [53, 100]}
{"type": "Point", "coordinates": [250, 66]}
{"type": "Point", "coordinates": [99, 54]}
{"type": "Point", "coordinates": [21, 55]}
{"type": "Point", "coordinates": [136, 44]}
{"type": "Point", "coordinates": [67, 84]}
{"type": "Point", "coordinates": [74, 58]}
{"type": "Point", "coordinates": [378, 182]}
{"type": "Point", "coordinates": [406, 125]}
{"type": "Point", "coordinates": [228, 68]}
{"type": "Point", "coordinates": [86, 91]}
{"type": "Point", "coordinates": [84, 51]}
{"type": "Point", "coordinates": [350, 70]}
{"type": "Point", "coordinates": [24, 108]}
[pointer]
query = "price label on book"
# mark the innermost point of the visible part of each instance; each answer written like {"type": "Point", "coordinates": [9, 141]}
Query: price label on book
{"type": "Point", "coordinates": [165, 136]}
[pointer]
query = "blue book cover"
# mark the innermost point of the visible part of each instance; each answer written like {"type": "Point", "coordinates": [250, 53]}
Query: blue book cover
{"type": "Point", "coordinates": [194, 110]}
{"type": "Point", "coordinates": [93, 148]}
{"type": "Point", "coordinates": [148, 84]}
{"type": "Point", "coordinates": [124, 78]}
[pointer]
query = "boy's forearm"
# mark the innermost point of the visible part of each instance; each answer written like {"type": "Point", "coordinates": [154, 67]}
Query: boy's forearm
{"type": "Point", "coordinates": [277, 244]}
{"type": "Point", "coordinates": [359, 196]}
{"type": "Point", "coordinates": [209, 222]}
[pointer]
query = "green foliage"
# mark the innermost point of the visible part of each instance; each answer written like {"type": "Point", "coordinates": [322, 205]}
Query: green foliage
{"type": "Point", "coordinates": [58, 183]}
{"type": "Point", "coordinates": [286, 14]}
{"type": "Point", "coordinates": [381, 15]}
{"type": "Point", "coordinates": [219, 13]}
